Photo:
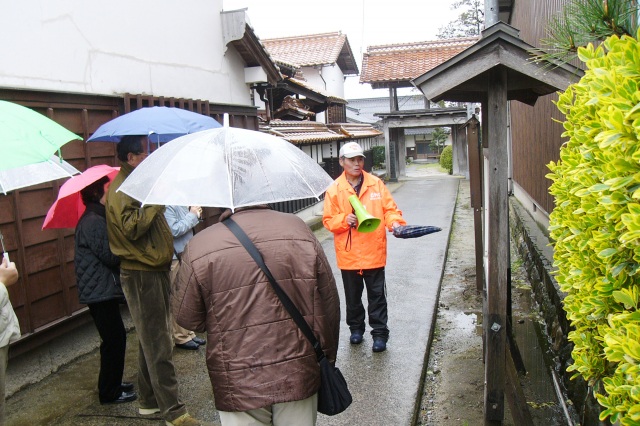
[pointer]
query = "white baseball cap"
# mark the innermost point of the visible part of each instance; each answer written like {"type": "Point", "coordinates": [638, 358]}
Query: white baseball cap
{"type": "Point", "coordinates": [350, 150]}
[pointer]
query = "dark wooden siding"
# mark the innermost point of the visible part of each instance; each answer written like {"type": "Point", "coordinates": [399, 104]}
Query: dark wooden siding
{"type": "Point", "coordinates": [337, 113]}
{"type": "Point", "coordinates": [536, 137]}
{"type": "Point", "coordinates": [45, 298]}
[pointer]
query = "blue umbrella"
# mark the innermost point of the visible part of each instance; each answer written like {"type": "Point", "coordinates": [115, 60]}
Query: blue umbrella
{"type": "Point", "coordinates": [161, 124]}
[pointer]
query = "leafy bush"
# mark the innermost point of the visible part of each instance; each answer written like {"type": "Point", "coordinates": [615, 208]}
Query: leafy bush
{"type": "Point", "coordinates": [378, 156]}
{"type": "Point", "coordinates": [595, 226]}
{"type": "Point", "coordinates": [446, 159]}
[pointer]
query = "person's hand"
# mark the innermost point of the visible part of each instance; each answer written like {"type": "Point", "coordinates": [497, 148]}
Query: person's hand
{"type": "Point", "coordinates": [197, 210]}
{"type": "Point", "coordinates": [8, 272]}
{"type": "Point", "coordinates": [352, 220]}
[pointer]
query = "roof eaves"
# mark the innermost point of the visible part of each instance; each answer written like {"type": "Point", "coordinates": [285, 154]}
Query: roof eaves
{"type": "Point", "coordinates": [238, 32]}
{"type": "Point", "coordinates": [301, 132]}
{"type": "Point", "coordinates": [309, 91]}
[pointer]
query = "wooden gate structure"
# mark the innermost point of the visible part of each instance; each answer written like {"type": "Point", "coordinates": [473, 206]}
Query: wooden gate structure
{"type": "Point", "coordinates": [497, 69]}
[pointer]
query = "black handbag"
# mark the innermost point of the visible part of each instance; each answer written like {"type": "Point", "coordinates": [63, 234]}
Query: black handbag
{"type": "Point", "coordinates": [333, 396]}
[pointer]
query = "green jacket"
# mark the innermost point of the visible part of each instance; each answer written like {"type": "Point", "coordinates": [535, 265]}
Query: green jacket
{"type": "Point", "coordinates": [139, 236]}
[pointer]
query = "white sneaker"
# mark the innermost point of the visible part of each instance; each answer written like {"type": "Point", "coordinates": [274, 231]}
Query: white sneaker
{"type": "Point", "coordinates": [184, 420]}
{"type": "Point", "coordinates": [148, 411]}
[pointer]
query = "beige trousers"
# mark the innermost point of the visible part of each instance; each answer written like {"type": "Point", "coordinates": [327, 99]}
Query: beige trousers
{"type": "Point", "coordinates": [294, 413]}
{"type": "Point", "coordinates": [4, 358]}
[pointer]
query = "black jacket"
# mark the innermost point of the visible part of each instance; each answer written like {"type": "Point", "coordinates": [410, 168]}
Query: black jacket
{"type": "Point", "coordinates": [97, 269]}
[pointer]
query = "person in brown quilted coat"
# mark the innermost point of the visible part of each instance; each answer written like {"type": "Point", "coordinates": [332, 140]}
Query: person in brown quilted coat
{"type": "Point", "coordinates": [262, 368]}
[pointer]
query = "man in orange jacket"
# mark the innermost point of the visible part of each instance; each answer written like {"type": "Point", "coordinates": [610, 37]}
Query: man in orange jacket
{"type": "Point", "coordinates": [361, 256]}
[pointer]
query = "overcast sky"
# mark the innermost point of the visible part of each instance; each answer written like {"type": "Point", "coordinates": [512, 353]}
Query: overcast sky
{"type": "Point", "coordinates": [365, 22]}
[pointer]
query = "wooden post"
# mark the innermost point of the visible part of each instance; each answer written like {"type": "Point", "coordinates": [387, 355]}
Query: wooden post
{"type": "Point", "coordinates": [393, 155]}
{"type": "Point", "coordinates": [515, 395]}
{"type": "Point", "coordinates": [475, 185]}
{"type": "Point", "coordinates": [498, 233]}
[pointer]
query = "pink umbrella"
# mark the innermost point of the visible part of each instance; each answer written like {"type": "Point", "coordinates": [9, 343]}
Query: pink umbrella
{"type": "Point", "coordinates": [67, 209]}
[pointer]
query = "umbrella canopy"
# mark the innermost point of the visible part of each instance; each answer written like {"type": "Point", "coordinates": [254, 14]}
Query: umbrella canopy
{"type": "Point", "coordinates": [65, 212]}
{"type": "Point", "coordinates": [161, 124]}
{"type": "Point", "coordinates": [226, 167]}
{"type": "Point", "coordinates": [33, 174]}
{"type": "Point", "coordinates": [28, 137]}
{"type": "Point", "coordinates": [414, 231]}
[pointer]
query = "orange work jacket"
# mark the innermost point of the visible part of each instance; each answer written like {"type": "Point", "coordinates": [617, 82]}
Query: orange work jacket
{"type": "Point", "coordinates": [367, 250]}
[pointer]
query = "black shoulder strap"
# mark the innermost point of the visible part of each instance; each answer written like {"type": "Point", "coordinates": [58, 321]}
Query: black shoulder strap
{"type": "Point", "coordinates": [286, 302]}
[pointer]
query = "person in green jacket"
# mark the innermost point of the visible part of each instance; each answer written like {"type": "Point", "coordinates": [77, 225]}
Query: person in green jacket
{"type": "Point", "coordinates": [141, 238]}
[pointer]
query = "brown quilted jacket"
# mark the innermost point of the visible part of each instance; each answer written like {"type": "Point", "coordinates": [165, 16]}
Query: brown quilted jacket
{"type": "Point", "coordinates": [256, 355]}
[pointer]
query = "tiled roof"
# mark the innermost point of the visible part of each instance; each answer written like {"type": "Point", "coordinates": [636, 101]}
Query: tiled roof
{"type": "Point", "coordinates": [398, 64]}
{"type": "Point", "coordinates": [301, 132]}
{"type": "Point", "coordinates": [307, 132]}
{"type": "Point", "coordinates": [314, 49]}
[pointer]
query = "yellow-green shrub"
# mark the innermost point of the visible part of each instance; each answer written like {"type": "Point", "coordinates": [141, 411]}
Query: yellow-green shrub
{"type": "Point", "coordinates": [446, 159]}
{"type": "Point", "coordinates": [595, 226]}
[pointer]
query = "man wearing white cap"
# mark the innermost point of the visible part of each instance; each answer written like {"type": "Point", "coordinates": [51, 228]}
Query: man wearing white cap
{"type": "Point", "coordinates": [361, 256]}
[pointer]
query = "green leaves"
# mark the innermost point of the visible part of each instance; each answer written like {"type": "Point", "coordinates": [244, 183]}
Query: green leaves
{"type": "Point", "coordinates": [596, 224]}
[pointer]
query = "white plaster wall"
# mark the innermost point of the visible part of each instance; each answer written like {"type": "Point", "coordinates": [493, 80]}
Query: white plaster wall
{"type": "Point", "coordinates": [330, 149]}
{"type": "Point", "coordinates": [328, 79]}
{"type": "Point", "coordinates": [410, 141]}
{"type": "Point", "coordinates": [335, 80]}
{"type": "Point", "coordinates": [154, 47]}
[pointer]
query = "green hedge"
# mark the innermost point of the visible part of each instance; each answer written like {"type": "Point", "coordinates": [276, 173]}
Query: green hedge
{"type": "Point", "coordinates": [446, 159]}
{"type": "Point", "coordinates": [378, 156]}
{"type": "Point", "coordinates": [595, 226]}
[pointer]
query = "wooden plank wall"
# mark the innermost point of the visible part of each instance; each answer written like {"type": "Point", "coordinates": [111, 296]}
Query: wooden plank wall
{"type": "Point", "coordinates": [45, 298]}
{"type": "Point", "coordinates": [536, 138]}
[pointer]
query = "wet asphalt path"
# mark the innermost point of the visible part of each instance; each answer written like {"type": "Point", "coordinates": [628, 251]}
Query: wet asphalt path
{"type": "Point", "coordinates": [385, 386]}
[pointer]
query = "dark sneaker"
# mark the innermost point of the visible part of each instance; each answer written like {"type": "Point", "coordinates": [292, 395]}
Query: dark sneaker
{"type": "Point", "coordinates": [379, 344]}
{"type": "Point", "coordinates": [122, 398]}
{"type": "Point", "coordinates": [356, 337]}
{"type": "Point", "coordinates": [190, 345]}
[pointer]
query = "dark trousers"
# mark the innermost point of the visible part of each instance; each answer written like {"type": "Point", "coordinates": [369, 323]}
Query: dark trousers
{"type": "Point", "coordinates": [354, 282]}
{"type": "Point", "coordinates": [106, 316]}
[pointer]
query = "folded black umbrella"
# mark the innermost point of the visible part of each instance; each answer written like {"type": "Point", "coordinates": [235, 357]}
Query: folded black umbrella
{"type": "Point", "coordinates": [414, 231]}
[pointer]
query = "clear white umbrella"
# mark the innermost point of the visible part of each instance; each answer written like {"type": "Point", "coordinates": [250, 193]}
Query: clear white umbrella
{"type": "Point", "coordinates": [226, 167]}
{"type": "Point", "coordinates": [36, 173]}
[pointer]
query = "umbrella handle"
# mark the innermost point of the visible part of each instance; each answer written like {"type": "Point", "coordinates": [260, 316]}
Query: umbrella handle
{"type": "Point", "coordinates": [5, 255]}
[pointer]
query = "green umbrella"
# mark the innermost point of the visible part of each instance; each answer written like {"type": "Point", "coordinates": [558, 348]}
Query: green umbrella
{"type": "Point", "coordinates": [28, 137]}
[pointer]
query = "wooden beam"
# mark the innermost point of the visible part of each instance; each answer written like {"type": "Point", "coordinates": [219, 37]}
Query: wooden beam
{"type": "Point", "coordinates": [475, 184]}
{"type": "Point", "coordinates": [498, 255]}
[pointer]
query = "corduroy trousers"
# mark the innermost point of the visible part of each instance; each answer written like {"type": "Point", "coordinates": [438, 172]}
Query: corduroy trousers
{"type": "Point", "coordinates": [148, 297]}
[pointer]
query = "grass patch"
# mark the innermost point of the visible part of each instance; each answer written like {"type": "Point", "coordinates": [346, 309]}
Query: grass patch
{"type": "Point", "coordinates": [435, 166]}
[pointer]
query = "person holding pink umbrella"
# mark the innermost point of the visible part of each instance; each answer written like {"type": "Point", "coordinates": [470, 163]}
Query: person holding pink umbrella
{"type": "Point", "coordinates": [80, 205]}
{"type": "Point", "coordinates": [98, 277]}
